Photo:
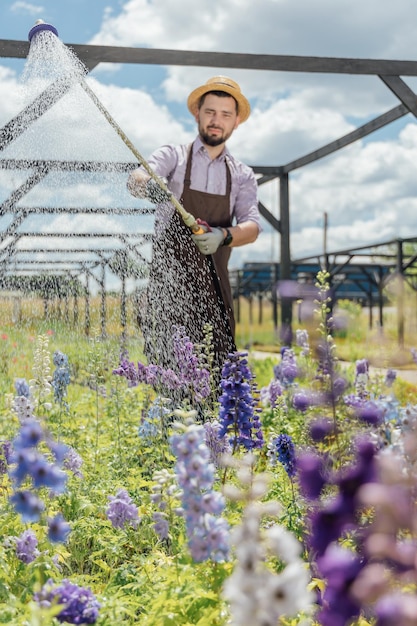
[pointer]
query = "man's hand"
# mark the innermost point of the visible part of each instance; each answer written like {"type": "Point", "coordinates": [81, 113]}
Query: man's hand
{"type": "Point", "coordinates": [210, 241]}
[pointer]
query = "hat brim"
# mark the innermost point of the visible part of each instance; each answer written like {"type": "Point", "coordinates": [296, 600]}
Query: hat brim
{"type": "Point", "coordinates": [243, 103]}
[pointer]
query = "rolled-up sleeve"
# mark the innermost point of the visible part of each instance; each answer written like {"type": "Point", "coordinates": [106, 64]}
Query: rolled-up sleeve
{"type": "Point", "coordinates": [244, 194]}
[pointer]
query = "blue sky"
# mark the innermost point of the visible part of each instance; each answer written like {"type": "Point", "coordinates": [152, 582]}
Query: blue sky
{"type": "Point", "coordinates": [368, 189]}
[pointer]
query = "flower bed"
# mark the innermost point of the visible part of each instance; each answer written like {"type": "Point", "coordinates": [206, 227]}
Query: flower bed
{"type": "Point", "coordinates": [135, 495]}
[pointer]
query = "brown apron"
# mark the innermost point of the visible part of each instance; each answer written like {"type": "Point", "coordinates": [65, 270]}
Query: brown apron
{"type": "Point", "coordinates": [215, 210]}
{"type": "Point", "coordinates": [183, 287]}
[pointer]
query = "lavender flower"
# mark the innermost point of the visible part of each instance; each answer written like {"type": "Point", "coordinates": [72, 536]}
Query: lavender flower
{"type": "Point", "coordinates": [79, 604]}
{"type": "Point", "coordinates": [26, 546]}
{"type": "Point", "coordinates": [282, 449]}
{"type": "Point", "coordinates": [207, 534]}
{"type": "Point", "coordinates": [237, 416]}
{"type": "Point", "coordinates": [121, 510]}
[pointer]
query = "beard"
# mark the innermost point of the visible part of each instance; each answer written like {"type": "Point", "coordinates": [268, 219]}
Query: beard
{"type": "Point", "coordinates": [213, 140]}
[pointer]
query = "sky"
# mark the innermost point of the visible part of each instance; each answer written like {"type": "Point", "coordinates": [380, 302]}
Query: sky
{"type": "Point", "coordinates": [368, 189]}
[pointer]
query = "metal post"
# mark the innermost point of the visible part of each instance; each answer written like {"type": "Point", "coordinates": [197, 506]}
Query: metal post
{"type": "Point", "coordinates": [285, 265]}
{"type": "Point", "coordinates": [103, 301]}
{"type": "Point", "coordinates": [400, 296]}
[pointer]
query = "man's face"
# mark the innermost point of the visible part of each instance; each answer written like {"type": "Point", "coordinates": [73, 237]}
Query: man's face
{"type": "Point", "coordinates": [217, 119]}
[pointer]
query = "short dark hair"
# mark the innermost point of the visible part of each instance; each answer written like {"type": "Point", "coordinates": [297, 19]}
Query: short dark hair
{"type": "Point", "coordinates": [219, 94]}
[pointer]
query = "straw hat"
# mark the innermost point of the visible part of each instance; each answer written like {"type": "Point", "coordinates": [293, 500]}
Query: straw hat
{"type": "Point", "coordinates": [220, 83]}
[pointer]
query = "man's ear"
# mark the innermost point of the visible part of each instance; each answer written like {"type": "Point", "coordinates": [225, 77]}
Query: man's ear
{"type": "Point", "coordinates": [237, 122]}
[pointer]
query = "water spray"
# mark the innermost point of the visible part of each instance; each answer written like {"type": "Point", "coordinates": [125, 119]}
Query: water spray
{"type": "Point", "coordinates": [188, 219]}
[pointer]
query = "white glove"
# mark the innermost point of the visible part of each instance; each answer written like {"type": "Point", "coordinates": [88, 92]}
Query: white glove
{"type": "Point", "coordinates": [210, 241]}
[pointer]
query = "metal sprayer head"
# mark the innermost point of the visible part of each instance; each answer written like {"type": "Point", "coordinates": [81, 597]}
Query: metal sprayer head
{"type": "Point", "coordinates": [39, 26]}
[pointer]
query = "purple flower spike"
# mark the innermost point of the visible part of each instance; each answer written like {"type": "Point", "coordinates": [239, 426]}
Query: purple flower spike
{"type": "Point", "coordinates": [311, 475]}
{"type": "Point", "coordinates": [28, 505]}
{"type": "Point", "coordinates": [26, 546]}
{"type": "Point", "coordinates": [122, 511]}
{"type": "Point", "coordinates": [79, 604]}
{"type": "Point", "coordinates": [238, 417]}
{"type": "Point", "coordinates": [320, 429]}
{"type": "Point", "coordinates": [58, 529]}
{"type": "Point", "coordinates": [286, 453]}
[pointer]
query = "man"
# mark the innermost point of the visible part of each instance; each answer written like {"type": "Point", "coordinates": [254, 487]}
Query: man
{"type": "Point", "coordinates": [192, 280]}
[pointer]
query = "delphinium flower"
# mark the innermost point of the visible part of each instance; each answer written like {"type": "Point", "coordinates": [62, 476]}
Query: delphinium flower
{"type": "Point", "coordinates": [238, 416]}
{"type": "Point", "coordinates": [218, 446]}
{"type": "Point", "coordinates": [61, 376]}
{"type": "Point", "coordinates": [390, 377]}
{"type": "Point", "coordinates": [23, 404]}
{"type": "Point", "coordinates": [192, 374]}
{"type": "Point", "coordinates": [386, 585]}
{"type": "Point", "coordinates": [40, 385]}
{"type": "Point", "coordinates": [271, 393]}
{"type": "Point", "coordinates": [257, 595]}
{"type": "Point", "coordinates": [22, 387]}
{"type": "Point", "coordinates": [36, 464]}
{"type": "Point", "coordinates": [190, 378]}
{"type": "Point", "coordinates": [80, 606]}
{"type": "Point", "coordinates": [29, 462]}
{"type": "Point", "coordinates": [155, 420]}
{"type": "Point", "coordinates": [282, 449]}
{"type": "Point", "coordinates": [329, 522]}
{"type": "Point", "coordinates": [58, 529]}
{"type": "Point", "coordinates": [321, 428]}
{"type": "Point", "coordinates": [28, 505]}
{"type": "Point", "coordinates": [302, 340]}
{"type": "Point", "coordinates": [368, 411]}
{"type": "Point", "coordinates": [73, 462]}
{"type": "Point", "coordinates": [165, 496]}
{"type": "Point", "coordinates": [414, 354]}
{"type": "Point", "coordinates": [362, 378]}
{"type": "Point", "coordinates": [27, 546]}
{"type": "Point", "coordinates": [287, 370]}
{"type": "Point", "coordinates": [122, 511]}
{"type": "Point", "coordinates": [5, 456]}
{"type": "Point", "coordinates": [207, 531]}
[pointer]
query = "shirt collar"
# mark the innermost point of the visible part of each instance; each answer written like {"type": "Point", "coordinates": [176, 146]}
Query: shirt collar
{"type": "Point", "coordinates": [199, 146]}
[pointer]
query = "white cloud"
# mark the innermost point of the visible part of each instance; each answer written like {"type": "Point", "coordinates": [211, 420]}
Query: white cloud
{"type": "Point", "coordinates": [26, 8]}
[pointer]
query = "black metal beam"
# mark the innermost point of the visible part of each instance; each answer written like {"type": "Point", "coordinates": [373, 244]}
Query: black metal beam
{"type": "Point", "coordinates": [358, 133]}
{"type": "Point", "coordinates": [402, 91]}
{"type": "Point", "coordinates": [92, 55]}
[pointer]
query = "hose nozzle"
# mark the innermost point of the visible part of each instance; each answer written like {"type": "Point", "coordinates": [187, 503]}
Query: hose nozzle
{"type": "Point", "coordinates": [39, 26]}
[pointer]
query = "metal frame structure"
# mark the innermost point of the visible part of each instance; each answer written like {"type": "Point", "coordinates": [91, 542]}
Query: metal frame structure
{"type": "Point", "coordinates": [388, 71]}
